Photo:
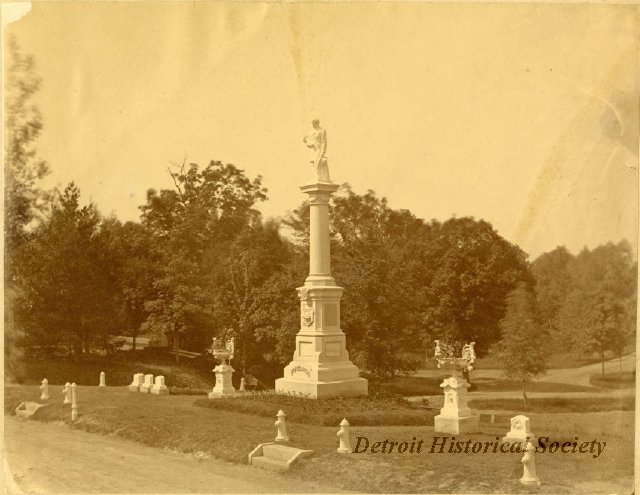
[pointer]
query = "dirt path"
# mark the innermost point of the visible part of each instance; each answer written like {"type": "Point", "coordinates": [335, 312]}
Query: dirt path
{"type": "Point", "coordinates": [580, 376]}
{"type": "Point", "coordinates": [53, 458]}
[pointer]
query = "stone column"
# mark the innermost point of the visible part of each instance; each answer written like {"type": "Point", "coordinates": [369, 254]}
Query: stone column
{"type": "Point", "coordinates": [319, 239]}
{"type": "Point", "coordinates": [320, 366]}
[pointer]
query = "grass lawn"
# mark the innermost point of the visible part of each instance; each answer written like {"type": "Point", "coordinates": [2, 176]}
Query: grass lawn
{"type": "Point", "coordinates": [556, 405]}
{"type": "Point", "coordinates": [619, 379]}
{"type": "Point", "coordinates": [362, 411]}
{"type": "Point", "coordinates": [416, 385]}
{"type": "Point", "coordinates": [174, 422]}
{"type": "Point", "coordinates": [118, 372]}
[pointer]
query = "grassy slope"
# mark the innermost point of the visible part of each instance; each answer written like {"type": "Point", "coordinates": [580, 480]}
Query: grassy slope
{"type": "Point", "coordinates": [173, 422]}
{"type": "Point", "coordinates": [118, 372]}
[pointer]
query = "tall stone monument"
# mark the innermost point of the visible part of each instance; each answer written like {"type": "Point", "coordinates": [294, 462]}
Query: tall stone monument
{"type": "Point", "coordinates": [320, 366]}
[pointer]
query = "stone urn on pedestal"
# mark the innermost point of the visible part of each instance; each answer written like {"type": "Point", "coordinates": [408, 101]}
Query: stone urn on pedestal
{"type": "Point", "coordinates": [455, 416]}
{"type": "Point", "coordinates": [224, 371]}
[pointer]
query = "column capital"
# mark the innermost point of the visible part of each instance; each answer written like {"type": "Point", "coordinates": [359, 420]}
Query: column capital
{"type": "Point", "coordinates": [319, 192]}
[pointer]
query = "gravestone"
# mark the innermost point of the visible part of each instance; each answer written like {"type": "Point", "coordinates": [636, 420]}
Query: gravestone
{"type": "Point", "coordinates": [345, 440]}
{"type": "Point", "coordinates": [281, 425]}
{"type": "Point", "coordinates": [159, 388]}
{"type": "Point", "coordinates": [138, 379]}
{"type": "Point", "coordinates": [529, 475]}
{"type": "Point", "coordinates": [147, 384]}
{"type": "Point", "coordinates": [74, 403]}
{"type": "Point", "coordinates": [45, 390]}
{"type": "Point", "coordinates": [520, 430]}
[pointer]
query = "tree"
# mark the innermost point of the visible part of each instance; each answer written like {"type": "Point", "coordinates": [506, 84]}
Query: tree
{"type": "Point", "coordinates": [132, 260]}
{"type": "Point", "coordinates": [23, 169]}
{"type": "Point", "coordinates": [194, 225]}
{"type": "Point", "coordinates": [597, 315]}
{"type": "Point", "coordinates": [474, 269]}
{"type": "Point", "coordinates": [407, 281]}
{"type": "Point", "coordinates": [24, 200]}
{"type": "Point", "coordinates": [522, 349]}
{"type": "Point", "coordinates": [553, 283]}
{"type": "Point", "coordinates": [66, 295]}
{"type": "Point", "coordinates": [371, 258]}
{"type": "Point", "coordinates": [244, 301]}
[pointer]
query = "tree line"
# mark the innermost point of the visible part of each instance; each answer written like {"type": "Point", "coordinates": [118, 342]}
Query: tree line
{"type": "Point", "coordinates": [202, 262]}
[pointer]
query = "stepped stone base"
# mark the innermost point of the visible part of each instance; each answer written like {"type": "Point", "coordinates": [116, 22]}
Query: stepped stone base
{"type": "Point", "coordinates": [276, 457]}
{"type": "Point", "coordinates": [351, 387]}
{"type": "Point", "coordinates": [455, 425]}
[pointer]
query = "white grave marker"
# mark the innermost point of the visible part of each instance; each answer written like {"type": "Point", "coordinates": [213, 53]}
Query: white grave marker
{"type": "Point", "coordinates": [343, 435]}
{"type": "Point", "coordinates": [520, 430]}
{"type": "Point", "coordinates": [45, 390]}
{"type": "Point", "coordinates": [529, 476]}
{"type": "Point", "coordinates": [67, 393]}
{"type": "Point", "coordinates": [282, 427]}
{"type": "Point", "coordinates": [135, 385]}
{"type": "Point", "coordinates": [74, 403]}
{"type": "Point", "coordinates": [159, 388]}
{"type": "Point", "coordinates": [147, 384]}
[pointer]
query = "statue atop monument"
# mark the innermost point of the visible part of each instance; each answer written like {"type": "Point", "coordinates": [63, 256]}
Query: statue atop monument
{"type": "Point", "coordinates": [316, 141]}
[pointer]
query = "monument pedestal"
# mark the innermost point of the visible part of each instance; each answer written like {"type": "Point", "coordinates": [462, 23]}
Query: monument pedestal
{"type": "Point", "coordinates": [223, 386]}
{"type": "Point", "coordinates": [320, 365]}
{"type": "Point", "coordinates": [455, 417]}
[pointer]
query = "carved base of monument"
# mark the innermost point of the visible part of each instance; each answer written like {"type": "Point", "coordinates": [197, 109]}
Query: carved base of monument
{"type": "Point", "coordinates": [455, 417]}
{"type": "Point", "coordinates": [223, 386]}
{"type": "Point", "coordinates": [349, 387]}
{"type": "Point", "coordinates": [321, 365]}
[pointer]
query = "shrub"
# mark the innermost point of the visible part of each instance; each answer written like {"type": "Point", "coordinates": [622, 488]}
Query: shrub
{"type": "Point", "coordinates": [360, 411]}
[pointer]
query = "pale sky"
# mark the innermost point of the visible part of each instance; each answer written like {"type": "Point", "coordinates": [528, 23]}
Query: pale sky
{"type": "Point", "coordinates": [523, 115]}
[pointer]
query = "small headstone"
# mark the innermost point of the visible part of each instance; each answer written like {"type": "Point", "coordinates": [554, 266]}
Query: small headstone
{"type": "Point", "coordinates": [138, 379]}
{"type": "Point", "coordinates": [282, 427]}
{"type": "Point", "coordinates": [67, 393]}
{"type": "Point", "coordinates": [45, 390]}
{"type": "Point", "coordinates": [102, 379]}
{"type": "Point", "coordinates": [529, 476]}
{"type": "Point", "coordinates": [520, 430]}
{"type": "Point", "coordinates": [343, 435]}
{"type": "Point", "coordinates": [159, 388]}
{"type": "Point", "coordinates": [243, 385]}
{"type": "Point", "coordinates": [147, 384]}
{"type": "Point", "coordinates": [74, 403]}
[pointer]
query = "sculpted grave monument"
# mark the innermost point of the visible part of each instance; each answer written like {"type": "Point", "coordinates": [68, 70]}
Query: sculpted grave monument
{"type": "Point", "coordinates": [321, 365]}
{"type": "Point", "coordinates": [455, 417]}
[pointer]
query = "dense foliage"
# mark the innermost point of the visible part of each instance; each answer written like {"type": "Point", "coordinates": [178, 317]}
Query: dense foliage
{"type": "Point", "coordinates": [588, 301]}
